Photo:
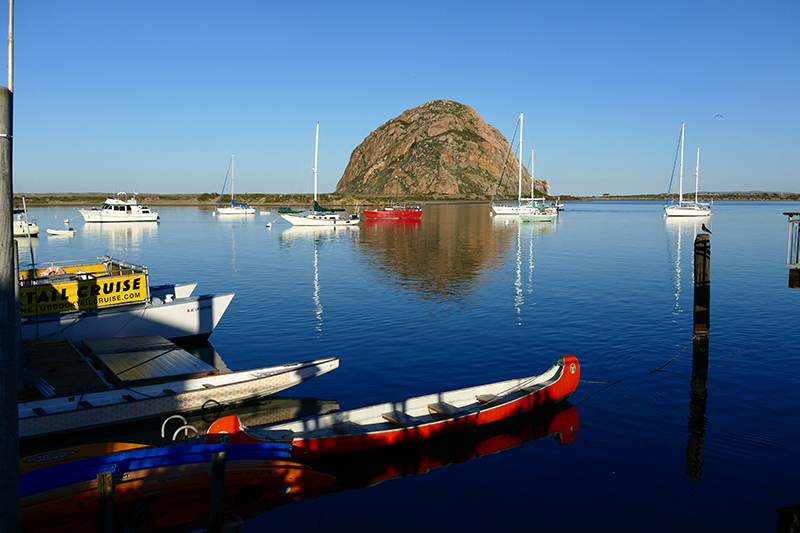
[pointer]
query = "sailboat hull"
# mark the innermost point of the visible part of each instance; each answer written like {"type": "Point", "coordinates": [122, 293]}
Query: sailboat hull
{"type": "Point", "coordinates": [687, 210]}
{"type": "Point", "coordinates": [320, 220]}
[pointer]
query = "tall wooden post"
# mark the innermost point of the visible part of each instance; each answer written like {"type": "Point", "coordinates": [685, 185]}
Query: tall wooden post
{"type": "Point", "coordinates": [702, 283]}
{"type": "Point", "coordinates": [10, 517]}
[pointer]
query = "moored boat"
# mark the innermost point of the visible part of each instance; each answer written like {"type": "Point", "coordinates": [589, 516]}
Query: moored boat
{"type": "Point", "coordinates": [318, 216]}
{"type": "Point", "coordinates": [687, 208]}
{"type": "Point", "coordinates": [236, 208]}
{"type": "Point", "coordinates": [105, 297]}
{"type": "Point", "coordinates": [120, 209]}
{"type": "Point", "coordinates": [61, 232]}
{"type": "Point", "coordinates": [409, 420]}
{"type": "Point", "coordinates": [172, 495]}
{"type": "Point", "coordinates": [124, 397]}
{"type": "Point", "coordinates": [395, 211]}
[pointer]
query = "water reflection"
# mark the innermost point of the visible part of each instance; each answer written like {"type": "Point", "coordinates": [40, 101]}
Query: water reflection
{"type": "Point", "coordinates": [120, 236]}
{"type": "Point", "coordinates": [698, 398]}
{"type": "Point", "coordinates": [357, 470]}
{"type": "Point", "coordinates": [680, 234]}
{"type": "Point", "coordinates": [445, 254]}
{"type": "Point", "coordinates": [316, 236]}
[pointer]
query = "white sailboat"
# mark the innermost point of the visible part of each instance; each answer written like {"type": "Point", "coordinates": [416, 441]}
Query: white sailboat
{"type": "Point", "coordinates": [688, 208]}
{"type": "Point", "coordinates": [318, 216]}
{"type": "Point", "coordinates": [536, 210]}
{"type": "Point", "coordinates": [514, 208]}
{"type": "Point", "coordinates": [236, 208]}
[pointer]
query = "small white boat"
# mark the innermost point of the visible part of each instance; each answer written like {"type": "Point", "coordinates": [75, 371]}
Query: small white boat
{"type": "Point", "coordinates": [63, 232]}
{"type": "Point", "coordinates": [688, 208]}
{"type": "Point", "coordinates": [120, 209]}
{"type": "Point", "coordinates": [318, 216]}
{"type": "Point", "coordinates": [236, 208]}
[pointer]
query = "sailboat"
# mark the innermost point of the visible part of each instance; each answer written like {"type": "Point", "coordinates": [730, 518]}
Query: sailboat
{"type": "Point", "coordinates": [529, 209]}
{"type": "Point", "coordinates": [236, 208]}
{"type": "Point", "coordinates": [514, 209]}
{"type": "Point", "coordinates": [536, 210]}
{"type": "Point", "coordinates": [318, 216]}
{"type": "Point", "coordinates": [688, 208]}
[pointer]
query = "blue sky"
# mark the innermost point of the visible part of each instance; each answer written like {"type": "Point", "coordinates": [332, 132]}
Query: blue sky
{"type": "Point", "coordinates": [156, 96]}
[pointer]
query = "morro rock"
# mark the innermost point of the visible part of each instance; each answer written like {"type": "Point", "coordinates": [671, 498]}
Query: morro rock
{"type": "Point", "coordinates": [441, 148]}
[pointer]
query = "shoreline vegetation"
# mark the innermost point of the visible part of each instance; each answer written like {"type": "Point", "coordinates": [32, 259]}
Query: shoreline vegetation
{"type": "Point", "coordinates": [339, 200]}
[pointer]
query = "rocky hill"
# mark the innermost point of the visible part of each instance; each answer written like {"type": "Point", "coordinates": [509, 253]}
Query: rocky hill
{"type": "Point", "coordinates": [441, 148]}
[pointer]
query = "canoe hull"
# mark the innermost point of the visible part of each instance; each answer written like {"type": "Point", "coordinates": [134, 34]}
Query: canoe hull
{"type": "Point", "coordinates": [369, 427]}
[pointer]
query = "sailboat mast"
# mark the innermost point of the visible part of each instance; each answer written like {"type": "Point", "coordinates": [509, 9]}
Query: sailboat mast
{"type": "Point", "coordinates": [531, 174]}
{"type": "Point", "coordinates": [232, 180]}
{"type": "Point", "coordinates": [680, 194]}
{"type": "Point", "coordinates": [697, 175]}
{"type": "Point", "coordinates": [316, 152]}
{"type": "Point", "coordinates": [519, 193]}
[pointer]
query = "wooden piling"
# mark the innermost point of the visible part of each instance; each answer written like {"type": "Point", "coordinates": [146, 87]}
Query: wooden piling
{"type": "Point", "coordinates": [217, 491]}
{"type": "Point", "coordinates": [10, 514]}
{"type": "Point", "coordinates": [105, 502]}
{"type": "Point", "coordinates": [702, 283]}
{"type": "Point", "coordinates": [698, 399]}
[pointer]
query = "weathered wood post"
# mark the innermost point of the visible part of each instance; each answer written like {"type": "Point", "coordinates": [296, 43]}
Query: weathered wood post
{"type": "Point", "coordinates": [217, 491]}
{"type": "Point", "coordinates": [10, 514]}
{"type": "Point", "coordinates": [105, 502]}
{"type": "Point", "coordinates": [702, 283]}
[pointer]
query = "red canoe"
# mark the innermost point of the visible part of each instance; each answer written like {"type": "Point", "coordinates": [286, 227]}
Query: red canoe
{"type": "Point", "coordinates": [409, 420]}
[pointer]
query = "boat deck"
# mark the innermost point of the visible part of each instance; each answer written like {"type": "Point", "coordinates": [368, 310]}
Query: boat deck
{"type": "Point", "coordinates": [59, 365]}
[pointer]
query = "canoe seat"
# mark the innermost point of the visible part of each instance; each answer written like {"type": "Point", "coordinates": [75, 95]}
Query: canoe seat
{"type": "Point", "coordinates": [400, 418]}
{"type": "Point", "coordinates": [487, 398]}
{"type": "Point", "coordinates": [443, 408]}
{"type": "Point", "coordinates": [349, 428]}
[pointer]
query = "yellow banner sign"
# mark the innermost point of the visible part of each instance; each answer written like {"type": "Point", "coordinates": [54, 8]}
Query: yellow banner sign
{"type": "Point", "coordinates": [75, 295]}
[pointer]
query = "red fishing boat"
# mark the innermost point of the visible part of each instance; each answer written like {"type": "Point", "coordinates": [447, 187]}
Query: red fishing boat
{"type": "Point", "coordinates": [409, 420]}
{"type": "Point", "coordinates": [395, 212]}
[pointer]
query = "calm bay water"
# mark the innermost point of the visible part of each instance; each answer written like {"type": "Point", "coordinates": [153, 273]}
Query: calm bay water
{"type": "Point", "coordinates": [463, 298]}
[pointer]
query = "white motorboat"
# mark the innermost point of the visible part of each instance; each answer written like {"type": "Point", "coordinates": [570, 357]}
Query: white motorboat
{"type": "Point", "coordinates": [120, 209]}
{"type": "Point", "coordinates": [23, 227]}
{"type": "Point", "coordinates": [104, 297]}
{"type": "Point", "coordinates": [688, 208]}
{"type": "Point", "coordinates": [319, 216]}
{"type": "Point", "coordinates": [236, 208]}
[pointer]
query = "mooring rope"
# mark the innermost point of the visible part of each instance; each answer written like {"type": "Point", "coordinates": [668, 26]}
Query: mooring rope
{"type": "Point", "coordinates": [610, 383]}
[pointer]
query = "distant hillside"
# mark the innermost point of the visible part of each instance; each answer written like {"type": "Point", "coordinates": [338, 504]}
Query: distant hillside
{"type": "Point", "coordinates": [441, 149]}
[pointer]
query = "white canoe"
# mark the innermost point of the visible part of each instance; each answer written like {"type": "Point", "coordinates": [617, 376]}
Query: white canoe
{"type": "Point", "coordinates": [113, 406]}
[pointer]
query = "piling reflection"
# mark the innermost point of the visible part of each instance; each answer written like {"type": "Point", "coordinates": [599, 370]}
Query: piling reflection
{"type": "Point", "coordinates": [698, 398]}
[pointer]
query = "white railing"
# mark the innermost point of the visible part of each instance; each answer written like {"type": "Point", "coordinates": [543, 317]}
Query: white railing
{"type": "Point", "coordinates": [793, 255]}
